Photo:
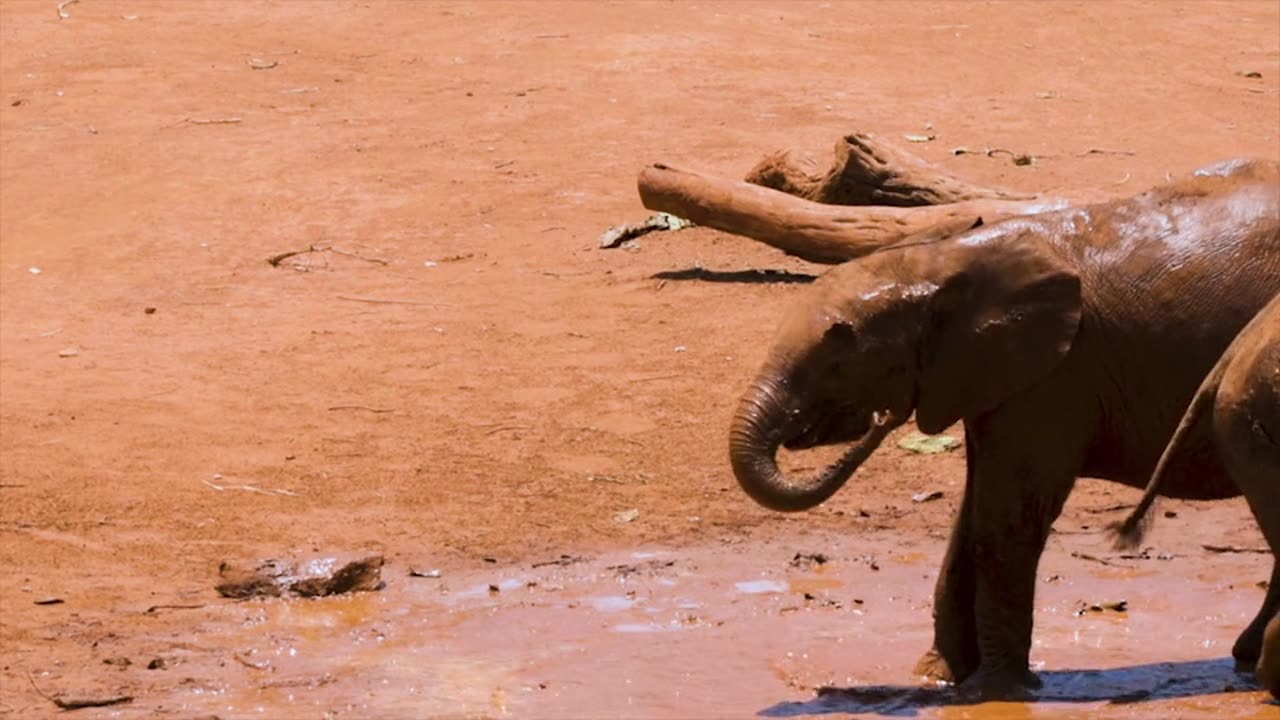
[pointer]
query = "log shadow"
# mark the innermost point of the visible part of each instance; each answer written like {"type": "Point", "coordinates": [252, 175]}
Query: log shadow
{"type": "Point", "coordinates": [780, 277]}
{"type": "Point", "coordinates": [1115, 686]}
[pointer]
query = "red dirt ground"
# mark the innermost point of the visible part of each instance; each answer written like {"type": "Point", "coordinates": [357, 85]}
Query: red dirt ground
{"type": "Point", "coordinates": [465, 374]}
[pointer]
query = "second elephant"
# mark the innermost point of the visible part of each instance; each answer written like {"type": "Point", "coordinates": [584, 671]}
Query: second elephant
{"type": "Point", "coordinates": [1240, 402]}
{"type": "Point", "coordinates": [1068, 344]}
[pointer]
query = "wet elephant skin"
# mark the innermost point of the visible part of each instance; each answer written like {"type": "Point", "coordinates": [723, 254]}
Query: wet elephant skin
{"type": "Point", "coordinates": [1069, 344]}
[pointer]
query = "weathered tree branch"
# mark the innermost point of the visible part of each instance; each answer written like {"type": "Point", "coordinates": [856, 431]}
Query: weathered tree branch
{"type": "Point", "coordinates": [817, 232]}
{"type": "Point", "coordinates": [867, 172]}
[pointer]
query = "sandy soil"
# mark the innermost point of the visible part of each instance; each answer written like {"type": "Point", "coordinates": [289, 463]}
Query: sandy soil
{"type": "Point", "coordinates": [458, 378]}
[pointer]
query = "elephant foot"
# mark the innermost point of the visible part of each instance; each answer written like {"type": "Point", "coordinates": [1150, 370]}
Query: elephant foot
{"type": "Point", "coordinates": [1247, 650]}
{"type": "Point", "coordinates": [949, 666]}
{"type": "Point", "coordinates": [1001, 684]}
{"type": "Point", "coordinates": [1245, 666]}
{"type": "Point", "coordinates": [935, 668]}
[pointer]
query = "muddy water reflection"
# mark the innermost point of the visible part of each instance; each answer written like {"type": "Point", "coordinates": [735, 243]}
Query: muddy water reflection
{"type": "Point", "coordinates": [683, 634]}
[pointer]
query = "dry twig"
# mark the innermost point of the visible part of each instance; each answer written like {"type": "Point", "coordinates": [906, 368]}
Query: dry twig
{"type": "Point", "coordinates": [256, 666]}
{"type": "Point", "coordinates": [362, 407]}
{"type": "Point", "coordinates": [505, 428]}
{"type": "Point", "coordinates": [366, 258]}
{"type": "Point", "coordinates": [208, 121]}
{"type": "Point", "coordinates": [250, 488]}
{"type": "Point", "coordinates": [1234, 549]}
{"type": "Point", "coordinates": [1099, 151]}
{"type": "Point", "coordinates": [384, 301]}
{"type": "Point", "coordinates": [76, 703]}
{"type": "Point", "coordinates": [275, 260]}
{"type": "Point", "coordinates": [154, 608]}
{"type": "Point", "coordinates": [1094, 558]}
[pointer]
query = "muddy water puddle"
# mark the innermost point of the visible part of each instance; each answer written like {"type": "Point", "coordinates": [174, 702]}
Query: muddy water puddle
{"type": "Point", "coordinates": [722, 631]}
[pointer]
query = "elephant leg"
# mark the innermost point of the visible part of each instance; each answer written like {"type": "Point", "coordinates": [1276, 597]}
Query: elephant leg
{"type": "Point", "coordinates": [1255, 467]}
{"type": "Point", "coordinates": [1020, 489]}
{"type": "Point", "coordinates": [1269, 663]}
{"type": "Point", "coordinates": [1248, 647]}
{"type": "Point", "coordinates": [954, 655]}
{"type": "Point", "coordinates": [1247, 432]}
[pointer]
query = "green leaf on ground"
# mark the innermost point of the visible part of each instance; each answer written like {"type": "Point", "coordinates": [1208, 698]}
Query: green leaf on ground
{"type": "Point", "coordinates": [928, 444]}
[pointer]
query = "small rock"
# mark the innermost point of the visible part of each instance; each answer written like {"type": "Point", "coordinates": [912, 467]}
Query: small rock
{"type": "Point", "coordinates": [34, 270]}
{"type": "Point", "coordinates": [75, 702]}
{"type": "Point", "coordinates": [156, 664]}
{"type": "Point", "coordinates": [68, 352]}
{"type": "Point", "coordinates": [433, 573]}
{"type": "Point", "coordinates": [1170, 514]}
{"type": "Point", "coordinates": [260, 64]}
{"type": "Point", "coordinates": [121, 661]}
{"type": "Point", "coordinates": [680, 348]}
{"type": "Point", "coordinates": [494, 589]}
{"type": "Point", "coordinates": [807, 560]}
{"type": "Point", "coordinates": [626, 516]}
{"type": "Point", "coordinates": [50, 601]}
{"type": "Point", "coordinates": [315, 578]}
{"type": "Point", "coordinates": [149, 310]}
{"type": "Point", "coordinates": [1117, 606]}
{"type": "Point", "coordinates": [924, 497]}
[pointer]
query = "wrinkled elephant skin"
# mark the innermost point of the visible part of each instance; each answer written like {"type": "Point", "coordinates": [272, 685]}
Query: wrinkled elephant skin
{"type": "Point", "coordinates": [1069, 345]}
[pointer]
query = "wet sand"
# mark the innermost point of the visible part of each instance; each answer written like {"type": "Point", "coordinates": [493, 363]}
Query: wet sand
{"type": "Point", "coordinates": [828, 626]}
{"type": "Point", "coordinates": [451, 369]}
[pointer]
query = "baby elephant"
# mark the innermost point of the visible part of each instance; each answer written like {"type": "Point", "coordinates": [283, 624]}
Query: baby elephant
{"type": "Point", "coordinates": [1240, 400]}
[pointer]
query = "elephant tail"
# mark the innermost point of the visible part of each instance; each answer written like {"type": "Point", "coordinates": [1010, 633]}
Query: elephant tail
{"type": "Point", "coordinates": [1128, 533]}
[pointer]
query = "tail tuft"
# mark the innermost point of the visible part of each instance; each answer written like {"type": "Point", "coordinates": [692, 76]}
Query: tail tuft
{"type": "Point", "coordinates": [1127, 534]}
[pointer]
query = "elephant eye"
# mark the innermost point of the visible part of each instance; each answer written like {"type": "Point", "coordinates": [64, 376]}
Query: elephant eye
{"type": "Point", "coordinates": [841, 332]}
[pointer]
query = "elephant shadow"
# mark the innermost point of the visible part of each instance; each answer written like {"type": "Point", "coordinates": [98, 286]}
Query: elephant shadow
{"type": "Point", "coordinates": [747, 277]}
{"type": "Point", "coordinates": [1116, 686]}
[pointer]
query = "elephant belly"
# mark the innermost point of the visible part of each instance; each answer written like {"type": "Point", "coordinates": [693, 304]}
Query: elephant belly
{"type": "Point", "coordinates": [1195, 472]}
{"type": "Point", "coordinates": [1199, 476]}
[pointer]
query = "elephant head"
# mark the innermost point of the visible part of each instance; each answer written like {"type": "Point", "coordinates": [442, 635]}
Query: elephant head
{"type": "Point", "coordinates": [947, 330]}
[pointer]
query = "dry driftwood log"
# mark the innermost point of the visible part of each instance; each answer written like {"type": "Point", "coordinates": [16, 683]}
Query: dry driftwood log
{"type": "Point", "coordinates": [872, 197]}
{"type": "Point", "coordinates": [867, 172]}
{"type": "Point", "coordinates": [820, 232]}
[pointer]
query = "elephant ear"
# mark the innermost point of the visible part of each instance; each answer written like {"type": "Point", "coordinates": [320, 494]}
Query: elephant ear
{"type": "Point", "coordinates": [1000, 322]}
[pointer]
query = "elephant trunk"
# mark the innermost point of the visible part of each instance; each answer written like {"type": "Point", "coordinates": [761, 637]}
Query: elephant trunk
{"type": "Point", "coordinates": [755, 437]}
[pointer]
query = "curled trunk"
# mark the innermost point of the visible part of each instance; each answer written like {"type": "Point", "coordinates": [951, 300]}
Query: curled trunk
{"type": "Point", "coordinates": [754, 439]}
